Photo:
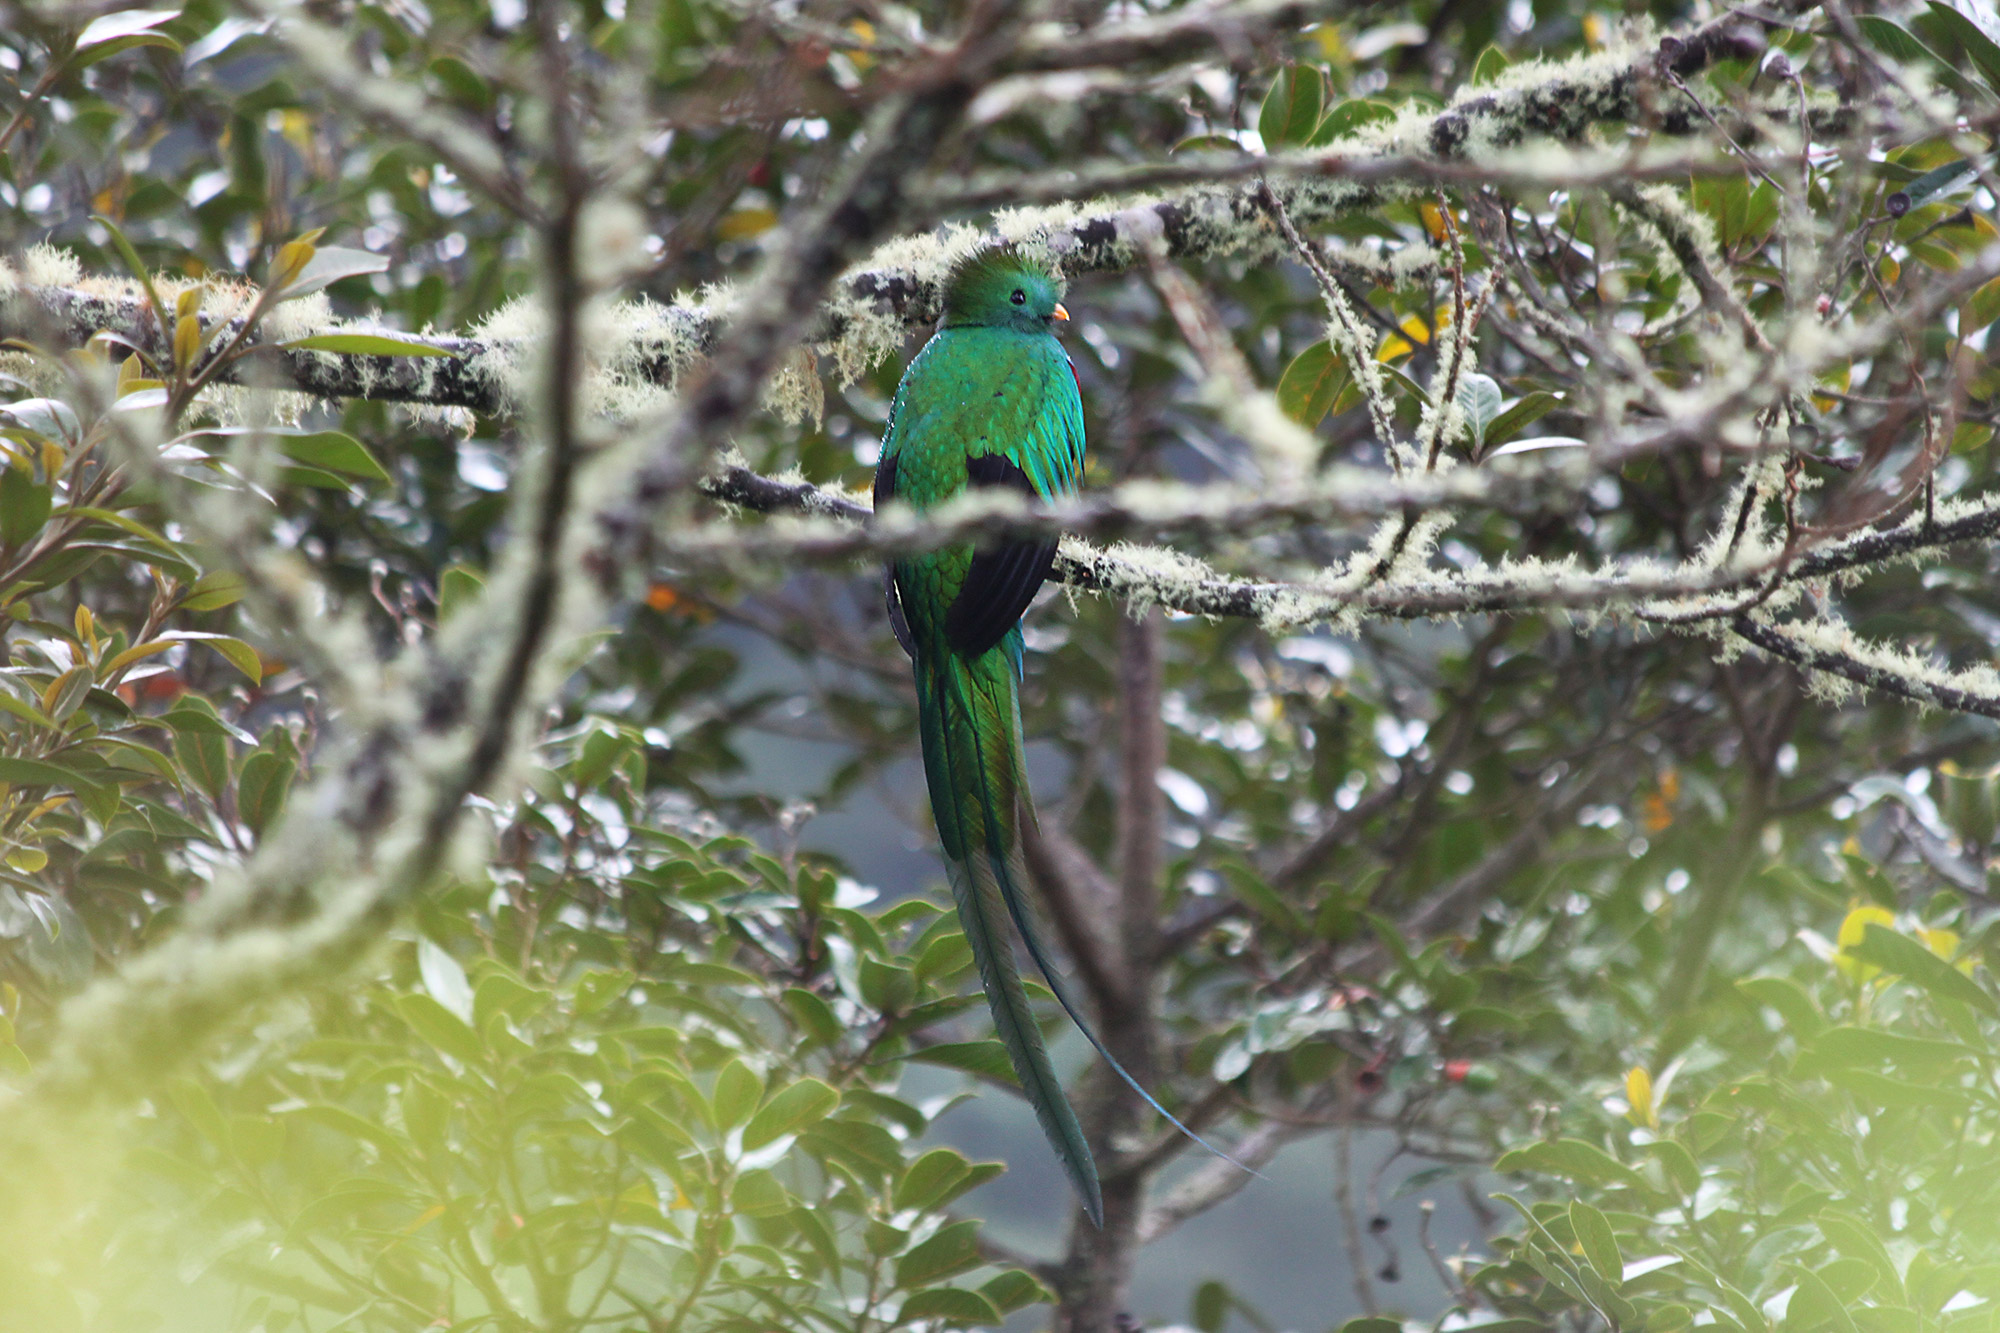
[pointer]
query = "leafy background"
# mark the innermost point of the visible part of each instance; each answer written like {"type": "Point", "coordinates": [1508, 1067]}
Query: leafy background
{"type": "Point", "coordinates": [681, 1048]}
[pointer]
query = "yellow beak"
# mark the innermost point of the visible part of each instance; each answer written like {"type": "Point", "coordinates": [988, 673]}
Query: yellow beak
{"type": "Point", "coordinates": [1059, 313]}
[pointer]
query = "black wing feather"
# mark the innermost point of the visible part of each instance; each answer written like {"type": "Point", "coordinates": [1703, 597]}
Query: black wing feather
{"type": "Point", "coordinates": [1002, 581]}
{"type": "Point", "coordinates": [899, 624]}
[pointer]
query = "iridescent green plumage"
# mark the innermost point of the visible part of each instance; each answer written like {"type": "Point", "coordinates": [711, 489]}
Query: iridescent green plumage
{"type": "Point", "coordinates": [990, 401]}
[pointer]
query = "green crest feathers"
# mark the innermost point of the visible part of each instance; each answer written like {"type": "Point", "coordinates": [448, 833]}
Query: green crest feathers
{"type": "Point", "coordinates": [985, 277]}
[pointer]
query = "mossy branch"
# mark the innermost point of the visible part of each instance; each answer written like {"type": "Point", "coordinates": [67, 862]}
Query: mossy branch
{"type": "Point", "coordinates": [1686, 595]}
{"type": "Point", "coordinates": [873, 306]}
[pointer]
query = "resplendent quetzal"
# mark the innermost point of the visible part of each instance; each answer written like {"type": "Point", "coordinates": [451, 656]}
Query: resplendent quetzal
{"type": "Point", "coordinates": [991, 400]}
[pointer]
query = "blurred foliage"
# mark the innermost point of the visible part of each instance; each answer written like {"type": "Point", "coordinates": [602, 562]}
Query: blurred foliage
{"type": "Point", "coordinates": [636, 1068]}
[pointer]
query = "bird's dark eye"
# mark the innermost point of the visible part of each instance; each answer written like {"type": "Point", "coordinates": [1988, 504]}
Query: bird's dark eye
{"type": "Point", "coordinates": [1020, 297]}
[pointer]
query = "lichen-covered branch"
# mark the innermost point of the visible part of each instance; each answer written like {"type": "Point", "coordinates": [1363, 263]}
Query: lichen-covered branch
{"type": "Point", "coordinates": [873, 307]}
{"type": "Point", "coordinates": [1838, 659]}
{"type": "Point", "coordinates": [1648, 590]}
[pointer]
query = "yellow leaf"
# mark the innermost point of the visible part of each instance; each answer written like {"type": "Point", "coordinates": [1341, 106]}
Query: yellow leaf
{"type": "Point", "coordinates": [27, 860]}
{"type": "Point", "coordinates": [1944, 943]}
{"type": "Point", "coordinates": [424, 1219]}
{"type": "Point", "coordinates": [1415, 334]}
{"type": "Point", "coordinates": [137, 652]}
{"type": "Point", "coordinates": [1852, 929]}
{"type": "Point", "coordinates": [865, 31]}
{"type": "Point", "coordinates": [187, 341]}
{"type": "Point", "coordinates": [743, 223]}
{"type": "Point", "coordinates": [47, 805]}
{"type": "Point", "coordinates": [1434, 221]}
{"type": "Point", "coordinates": [293, 256]}
{"type": "Point", "coordinates": [1639, 1094]}
{"type": "Point", "coordinates": [297, 127]}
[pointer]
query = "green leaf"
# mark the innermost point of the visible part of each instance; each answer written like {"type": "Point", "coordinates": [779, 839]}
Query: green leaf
{"type": "Point", "coordinates": [441, 1028]}
{"type": "Point", "coordinates": [815, 1015]}
{"type": "Point", "coordinates": [1291, 109]}
{"type": "Point", "coordinates": [926, 1180]}
{"type": "Point", "coordinates": [26, 711]}
{"type": "Point", "coordinates": [597, 988]}
{"type": "Point", "coordinates": [986, 1058]}
{"type": "Point", "coordinates": [1349, 117]}
{"type": "Point", "coordinates": [1849, 1047]}
{"type": "Point", "coordinates": [1372, 1323]}
{"type": "Point", "coordinates": [816, 1233]}
{"type": "Point", "coordinates": [1404, 381]}
{"type": "Point", "coordinates": [330, 264]}
{"type": "Point", "coordinates": [95, 796]}
{"type": "Point", "coordinates": [758, 1194]}
{"type": "Point", "coordinates": [944, 957]}
{"type": "Point", "coordinates": [347, 1124]}
{"type": "Point", "coordinates": [1849, 1279]}
{"type": "Point", "coordinates": [737, 1090]}
{"type": "Point", "coordinates": [1882, 1091]}
{"type": "Point", "coordinates": [888, 987]}
{"type": "Point", "coordinates": [1208, 1308]}
{"type": "Point", "coordinates": [233, 651]}
{"type": "Point", "coordinates": [324, 451]}
{"type": "Point", "coordinates": [1943, 180]}
{"type": "Point", "coordinates": [66, 693]}
{"type": "Point", "coordinates": [205, 757]}
{"type": "Point", "coordinates": [1789, 998]}
{"type": "Point", "coordinates": [1572, 1158]}
{"type": "Point", "coordinates": [113, 29]}
{"type": "Point", "coordinates": [1600, 1247]}
{"type": "Point", "coordinates": [195, 1103]}
{"type": "Point", "coordinates": [1854, 1239]}
{"type": "Point", "coordinates": [332, 451]}
{"type": "Point", "coordinates": [952, 1250]}
{"type": "Point", "coordinates": [1813, 1305]}
{"type": "Point", "coordinates": [1310, 385]}
{"type": "Point", "coordinates": [1896, 41]}
{"type": "Point", "coordinates": [1895, 952]}
{"type": "Point", "coordinates": [857, 1144]}
{"type": "Point", "coordinates": [1970, 38]}
{"type": "Point", "coordinates": [956, 1306]}
{"type": "Point", "coordinates": [1680, 1165]}
{"type": "Point", "coordinates": [365, 344]}
{"type": "Point", "coordinates": [444, 978]}
{"type": "Point", "coordinates": [261, 788]}
{"type": "Point", "coordinates": [1015, 1290]}
{"type": "Point", "coordinates": [1531, 408]}
{"type": "Point", "coordinates": [462, 81]}
{"type": "Point", "coordinates": [214, 590]}
{"type": "Point", "coordinates": [24, 506]}
{"type": "Point", "coordinates": [1479, 399]}
{"type": "Point", "coordinates": [194, 716]}
{"type": "Point", "coordinates": [459, 586]}
{"type": "Point", "coordinates": [1491, 64]}
{"type": "Point", "coordinates": [1207, 143]}
{"type": "Point", "coordinates": [105, 49]}
{"type": "Point", "coordinates": [801, 1104]}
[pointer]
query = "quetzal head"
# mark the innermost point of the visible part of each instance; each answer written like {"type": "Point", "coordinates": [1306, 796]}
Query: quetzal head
{"type": "Point", "coordinates": [1002, 288]}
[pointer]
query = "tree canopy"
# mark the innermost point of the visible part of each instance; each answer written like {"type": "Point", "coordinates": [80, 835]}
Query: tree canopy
{"type": "Point", "coordinates": [1515, 715]}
